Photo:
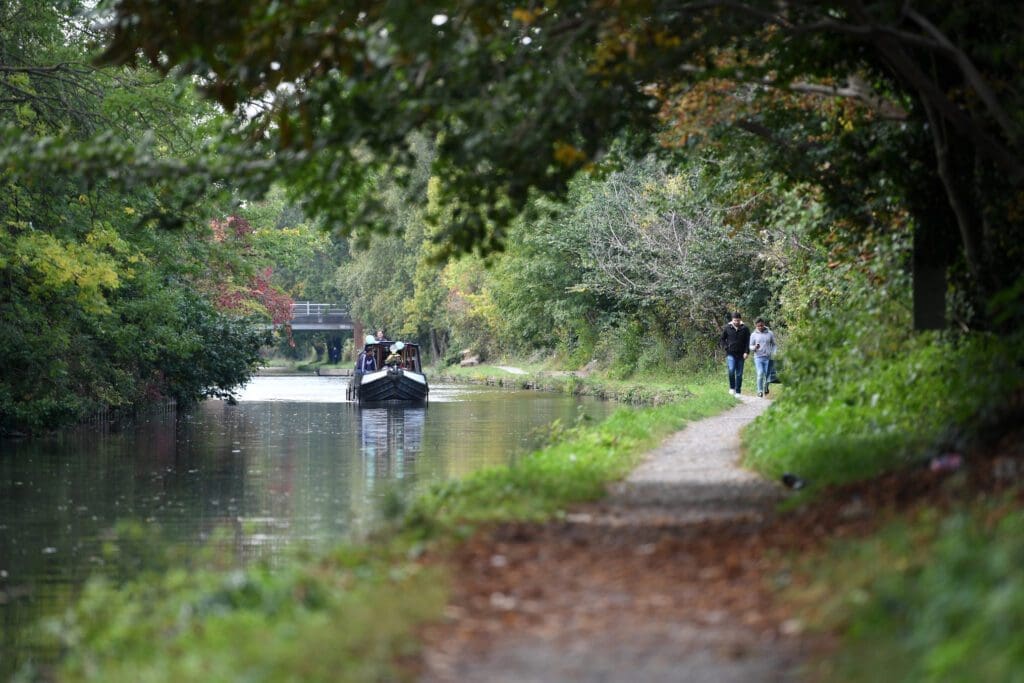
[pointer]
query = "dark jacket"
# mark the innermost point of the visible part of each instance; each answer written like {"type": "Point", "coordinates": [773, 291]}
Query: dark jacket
{"type": "Point", "coordinates": [735, 341]}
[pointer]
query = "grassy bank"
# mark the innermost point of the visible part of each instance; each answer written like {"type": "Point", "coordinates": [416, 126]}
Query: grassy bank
{"type": "Point", "coordinates": [299, 367]}
{"type": "Point", "coordinates": [931, 596]}
{"type": "Point", "coordinates": [573, 469]}
{"type": "Point", "coordinates": [936, 594]}
{"type": "Point", "coordinates": [941, 395]}
{"type": "Point", "coordinates": [348, 615]}
{"type": "Point", "coordinates": [641, 389]}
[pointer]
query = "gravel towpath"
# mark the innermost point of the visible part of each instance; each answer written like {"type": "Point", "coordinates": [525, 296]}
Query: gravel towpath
{"type": "Point", "coordinates": [662, 581]}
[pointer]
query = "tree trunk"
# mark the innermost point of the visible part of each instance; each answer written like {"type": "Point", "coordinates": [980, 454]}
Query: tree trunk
{"type": "Point", "coordinates": [438, 344]}
{"type": "Point", "coordinates": [358, 338]}
{"type": "Point", "coordinates": [929, 287]}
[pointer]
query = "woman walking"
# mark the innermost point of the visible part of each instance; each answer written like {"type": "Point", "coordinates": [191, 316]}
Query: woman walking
{"type": "Point", "coordinates": [762, 345]}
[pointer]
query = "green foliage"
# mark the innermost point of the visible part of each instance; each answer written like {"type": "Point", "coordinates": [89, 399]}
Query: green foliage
{"type": "Point", "coordinates": [394, 281]}
{"type": "Point", "coordinates": [629, 344]}
{"type": "Point", "coordinates": [864, 393]}
{"type": "Point", "coordinates": [668, 383]}
{"type": "Point", "coordinates": [381, 277]}
{"type": "Point", "coordinates": [534, 284]}
{"type": "Point", "coordinates": [99, 309]}
{"type": "Point", "coordinates": [426, 310]}
{"type": "Point", "coordinates": [212, 356]}
{"type": "Point", "coordinates": [947, 607]}
{"type": "Point", "coordinates": [637, 269]}
{"type": "Point", "coordinates": [266, 255]}
{"type": "Point", "coordinates": [677, 243]}
{"type": "Point", "coordinates": [377, 281]}
{"type": "Point", "coordinates": [303, 254]}
{"type": "Point", "coordinates": [472, 312]}
{"type": "Point", "coordinates": [346, 616]}
{"type": "Point", "coordinates": [437, 75]}
{"type": "Point", "coordinates": [60, 363]}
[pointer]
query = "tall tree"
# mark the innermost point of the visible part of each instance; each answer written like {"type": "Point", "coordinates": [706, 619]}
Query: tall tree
{"type": "Point", "coordinates": [646, 235]}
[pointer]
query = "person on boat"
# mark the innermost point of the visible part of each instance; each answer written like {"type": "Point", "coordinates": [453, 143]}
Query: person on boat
{"type": "Point", "coordinates": [395, 358]}
{"type": "Point", "coordinates": [381, 336]}
{"type": "Point", "coordinates": [366, 362]}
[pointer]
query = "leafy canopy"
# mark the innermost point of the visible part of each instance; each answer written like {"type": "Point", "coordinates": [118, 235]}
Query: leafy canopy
{"type": "Point", "coordinates": [522, 96]}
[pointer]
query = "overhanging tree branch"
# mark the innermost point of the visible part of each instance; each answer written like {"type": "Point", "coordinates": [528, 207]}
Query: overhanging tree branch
{"type": "Point", "coordinates": [856, 88]}
{"type": "Point", "coordinates": [893, 52]}
{"type": "Point", "coordinates": [970, 72]}
{"type": "Point", "coordinates": [892, 43]}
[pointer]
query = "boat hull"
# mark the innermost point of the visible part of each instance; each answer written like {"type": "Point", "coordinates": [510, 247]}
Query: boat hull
{"type": "Point", "coordinates": [391, 385]}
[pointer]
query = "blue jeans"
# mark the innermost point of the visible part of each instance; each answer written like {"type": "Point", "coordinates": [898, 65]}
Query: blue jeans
{"type": "Point", "coordinates": [735, 367]}
{"type": "Point", "coordinates": [762, 364]}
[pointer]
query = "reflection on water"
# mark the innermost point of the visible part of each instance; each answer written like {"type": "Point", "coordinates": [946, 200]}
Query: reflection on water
{"type": "Point", "coordinates": [291, 463]}
{"type": "Point", "coordinates": [390, 439]}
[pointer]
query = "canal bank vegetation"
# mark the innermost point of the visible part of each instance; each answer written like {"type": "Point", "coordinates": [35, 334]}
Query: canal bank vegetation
{"type": "Point", "coordinates": [102, 307]}
{"type": "Point", "coordinates": [865, 393]}
{"type": "Point", "coordinates": [347, 615]}
{"type": "Point", "coordinates": [935, 593]}
{"type": "Point", "coordinates": [643, 389]}
{"type": "Point", "coordinates": [130, 276]}
{"type": "Point", "coordinates": [575, 468]}
{"type": "Point", "coordinates": [914, 434]}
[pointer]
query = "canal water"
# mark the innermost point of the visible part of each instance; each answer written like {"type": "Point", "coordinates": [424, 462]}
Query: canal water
{"type": "Point", "coordinates": [290, 464]}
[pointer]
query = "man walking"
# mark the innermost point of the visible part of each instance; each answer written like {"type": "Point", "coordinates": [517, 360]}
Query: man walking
{"type": "Point", "coordinates": [762, 344]}
{"type": "Point", "coordinates": [736, 342]}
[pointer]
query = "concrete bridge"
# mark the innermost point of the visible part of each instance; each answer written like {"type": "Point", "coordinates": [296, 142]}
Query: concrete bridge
{"type": "Point", "coordinates": [307, 315]}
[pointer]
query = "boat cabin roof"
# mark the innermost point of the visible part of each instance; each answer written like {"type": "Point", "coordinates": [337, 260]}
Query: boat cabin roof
{"type": "Point", "coordinates": [386, 345]}
{"type": "Point", "coordinates": [410, 354]}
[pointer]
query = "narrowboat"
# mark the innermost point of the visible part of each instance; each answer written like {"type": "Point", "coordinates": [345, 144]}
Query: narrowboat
{"type": "Point", "coordinates": [388, 372]}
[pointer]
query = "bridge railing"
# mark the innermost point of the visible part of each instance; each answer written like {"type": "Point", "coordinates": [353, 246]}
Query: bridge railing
{"type": "Point", "coordinates": [307, 309]}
